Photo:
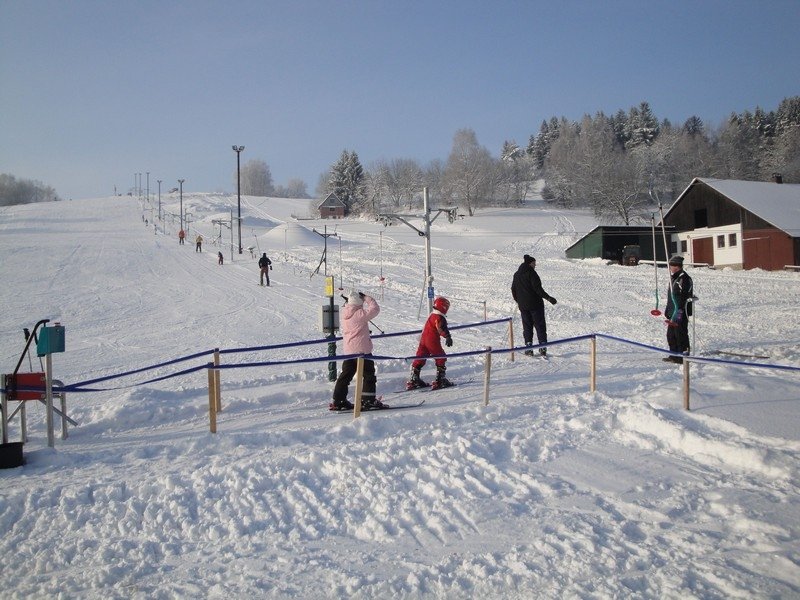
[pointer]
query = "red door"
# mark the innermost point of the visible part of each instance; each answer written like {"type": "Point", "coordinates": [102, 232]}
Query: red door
{"type": "Point", "coordinates": [703, 250]}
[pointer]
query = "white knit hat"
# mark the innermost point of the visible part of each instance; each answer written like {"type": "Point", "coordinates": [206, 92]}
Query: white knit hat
{"type": "Point", "coordinates": [353, 297]}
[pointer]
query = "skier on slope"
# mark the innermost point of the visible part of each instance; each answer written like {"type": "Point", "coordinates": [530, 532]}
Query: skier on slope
{"type": "Point", "coordinates": [358, 310]}
{"type": "Point", "coordinates": [265, 264]}
{"type": "Point", "coordinates": [430, 344]}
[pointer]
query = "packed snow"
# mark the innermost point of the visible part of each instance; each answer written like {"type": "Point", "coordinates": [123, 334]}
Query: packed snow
{"type": "Point", "coordinates": [548, 491]}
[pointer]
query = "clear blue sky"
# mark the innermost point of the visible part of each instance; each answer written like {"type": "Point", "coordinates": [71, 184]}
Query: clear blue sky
{"type": "Point", "coordinates": [92, 92]}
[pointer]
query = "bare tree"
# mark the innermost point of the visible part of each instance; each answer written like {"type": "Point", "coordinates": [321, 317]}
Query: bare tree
{"type": "Point", "coordinates": [468, 170]}
{"type": "Point", "coordinates": [256, 178]}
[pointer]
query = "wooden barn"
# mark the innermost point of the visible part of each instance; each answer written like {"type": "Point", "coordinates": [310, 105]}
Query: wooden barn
{"type": "Point", "coordinates": [332, 207]}
{"type": "Point", "coordinates": [608, 242]}
{"type": "Point", "coordinates": [738, 224]}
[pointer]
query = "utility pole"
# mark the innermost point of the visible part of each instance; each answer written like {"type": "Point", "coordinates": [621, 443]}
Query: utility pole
{"type": "Point", "coordinates": [180, 181]}
{"type": "Point", "coordinates": [331, 322]}
{"type": "Point", "coordinates": [238, 150]}
{"type": "Point", "coordinates": [159, 199]}
{"type": "Point", "coordinates": [426, 233]}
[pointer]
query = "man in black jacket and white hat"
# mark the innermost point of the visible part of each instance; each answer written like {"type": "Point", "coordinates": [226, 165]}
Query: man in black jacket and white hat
{"type": "Point", "coordinates": [529, 296]}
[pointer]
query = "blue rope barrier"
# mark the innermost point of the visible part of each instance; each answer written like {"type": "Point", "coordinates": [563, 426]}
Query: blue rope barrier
{"type": "Point", "coordinates": [82, 386]}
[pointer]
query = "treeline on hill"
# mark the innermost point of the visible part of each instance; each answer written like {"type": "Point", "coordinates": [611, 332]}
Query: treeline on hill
{"type": "Point", "coordinates": [617, 165]}
{"type": "Point", "coordinates": [24, 191]}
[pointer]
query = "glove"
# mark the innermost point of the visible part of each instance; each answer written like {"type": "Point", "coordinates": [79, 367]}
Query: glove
{"type": "Point", "coordinates": [270, 267]}
{"type": "Point", "coordinates": [552, 300]}
{"type": "Point", "coordinates": [448, 341]}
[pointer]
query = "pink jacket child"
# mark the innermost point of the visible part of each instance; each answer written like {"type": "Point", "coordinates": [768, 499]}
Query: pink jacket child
{"type": "Point", "coordinates": [355, 317]}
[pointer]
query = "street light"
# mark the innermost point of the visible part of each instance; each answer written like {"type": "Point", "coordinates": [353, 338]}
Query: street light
{"type": "Point", "coordinates": [181, 182]}
{"type": "Point", "coordinates": [159, 199]}
{"type": "Point", "coordinates": [238, 150]}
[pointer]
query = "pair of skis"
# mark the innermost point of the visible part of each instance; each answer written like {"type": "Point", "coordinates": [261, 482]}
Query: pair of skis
{"type": "Point", "coordinates": [395, 406]}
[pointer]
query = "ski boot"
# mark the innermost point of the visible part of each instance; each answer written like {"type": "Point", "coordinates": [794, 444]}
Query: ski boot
{"type": "Point", "coordinates": [415, 381]}
{"type": "Point", "coordinates": [341, 405]}
{"type": "Point", "coordinates": [529, 351]}
{"type": "Point", "coordinates": [372, 403]}
{"type": "Point", "coordinates": [441, 380]}
{"type": "Point", "coordinates": [543, 352]}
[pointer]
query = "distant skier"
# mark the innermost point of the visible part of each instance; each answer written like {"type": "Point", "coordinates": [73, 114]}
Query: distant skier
{"type": "Point", "coordinates": [198, 243]}
{"type": "Point", "coordinates": [181, 236]}
{"type": "Point", "coordinates": [681, 290]}
{"type": "Point", "coordinates": [266, 266]}
{"type": "Point", "coordinates": [220, 258]}
{"type": "Point", "coordinates": [430, 344]}
{"type": "Point", "coordinates": [358, 310]}
{"type": "Point", "coordinates": [526, 288]}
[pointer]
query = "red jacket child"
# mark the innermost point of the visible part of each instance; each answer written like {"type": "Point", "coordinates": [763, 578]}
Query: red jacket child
{"type": "Point", "coordinates": [430, 344]}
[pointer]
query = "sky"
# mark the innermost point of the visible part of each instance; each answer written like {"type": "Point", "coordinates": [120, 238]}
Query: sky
{"type": "Point", "coordinates": [93, 92]}
{"type": "Point", "coordinates": [540, 489]}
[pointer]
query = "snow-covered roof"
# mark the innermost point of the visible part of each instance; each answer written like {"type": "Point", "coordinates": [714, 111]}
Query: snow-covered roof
{"type": "Point", "coordinates": [777, 203]}
{"type": "Point", "coordinates": [331, 201]}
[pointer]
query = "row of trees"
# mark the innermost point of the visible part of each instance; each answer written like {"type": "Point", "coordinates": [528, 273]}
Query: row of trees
{"type": "Point", "coordinates": [24, 191]}
{"type": "Point", "coordinates": [618, 165]}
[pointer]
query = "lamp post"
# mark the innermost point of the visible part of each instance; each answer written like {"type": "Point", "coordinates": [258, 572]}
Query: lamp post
{"type": "Point", "coordinates": [159, 200]}
{"type": "Point", "coordinates": [148, 187]}
{"type": "Point", "coordinates": [180, 181]}
{"type": "Point", "coordinates": [238, 150]}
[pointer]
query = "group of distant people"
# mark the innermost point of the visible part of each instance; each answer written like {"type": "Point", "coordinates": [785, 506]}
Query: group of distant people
{"type": "Point", "coordinates": [264, 263]}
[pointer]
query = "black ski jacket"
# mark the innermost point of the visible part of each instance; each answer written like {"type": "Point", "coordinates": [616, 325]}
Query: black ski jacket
{"type": "Point", "coordinates": [264, 262]}
{"type": "Point", "coordinates": [681, 288]}
{"type": "Point", "coordinates": [527, 288]}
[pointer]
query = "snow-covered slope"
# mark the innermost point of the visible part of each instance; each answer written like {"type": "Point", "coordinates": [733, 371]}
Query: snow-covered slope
{"type": "Point", "coordinates": [549, 491]}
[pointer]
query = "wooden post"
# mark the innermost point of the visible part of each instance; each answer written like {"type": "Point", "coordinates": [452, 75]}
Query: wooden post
{"type": "Point", "coordinates": [593, 365]}
{"type": "Point", "coordinates": [486, 375]}
{"type": "Point", "coordinates": [4, 410]}
{"type": "Point", "coordinates": [64, 433]}
{"type": "Point", "coordinates": [359, 386]}
{"type": "Point", "coordinates": [217, 389]}
{"type": "Point", "coordinates": [212, 402]}
{"type": "Point", "coordinates": [511, 337]}
{"type": "Point", "coordinates": [686, 384]}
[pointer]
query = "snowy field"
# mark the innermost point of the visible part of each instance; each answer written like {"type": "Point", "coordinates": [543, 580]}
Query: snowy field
{"type": "Point", "coordinates": [550, 491]}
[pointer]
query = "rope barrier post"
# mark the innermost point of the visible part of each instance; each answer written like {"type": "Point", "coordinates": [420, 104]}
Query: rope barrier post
{"type": "Point", "coordinates": [217, 389]}
{"type": "Point", "coordinates": [487, 375]}
{"type": "Point", "coordinates": [593, 364]}
{"type": "Point", "coordinates": [359, 386]}
{"type": "Point", "coordinates": [511, 337]}
{"type": "Point", "coordinates": [64, 433]}
{"type": "Point", "coordinates": [4, 410]}
{"type": "Point", "coordinates": [484, 310]}
{"type": "Point", "coordinates": [212, 402]}
{"type": "Point", "coordinates": [686, 384]}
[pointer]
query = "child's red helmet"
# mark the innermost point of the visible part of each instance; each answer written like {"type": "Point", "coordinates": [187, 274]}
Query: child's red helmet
{"type": "Point", "coordinates": [441, 304]}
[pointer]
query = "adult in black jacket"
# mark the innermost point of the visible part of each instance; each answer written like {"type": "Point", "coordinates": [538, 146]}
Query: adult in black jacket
{"type": "Point", "coordinates": [681, 290]}
{"type": "Point", "coordinates": [266, 265]}
{"type": "Point", "coordinates": [529, 296]}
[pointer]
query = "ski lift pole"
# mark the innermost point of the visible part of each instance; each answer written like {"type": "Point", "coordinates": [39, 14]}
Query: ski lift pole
{"type": "Point", "coordinates": [656, 312]}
